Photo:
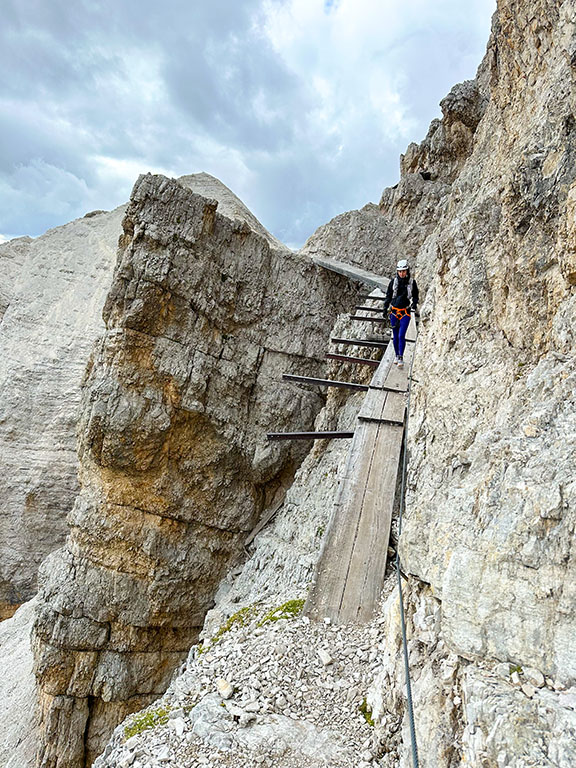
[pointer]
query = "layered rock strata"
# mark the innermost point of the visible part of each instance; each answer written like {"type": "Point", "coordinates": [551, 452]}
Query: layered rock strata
{"type": "Point", "coordinates": [204, 315]}
{"type": "Point", "coordinates": [490, 514]}
{"type": "Point", "coordinates": [51, 297]}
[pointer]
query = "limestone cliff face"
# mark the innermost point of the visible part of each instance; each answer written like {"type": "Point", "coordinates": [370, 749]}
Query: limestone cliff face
{"type": "Point", "coordinates": [52, 289]}
{"type": "Point", "coordinates": [486, 208]}
{"type": "Point", "coordinates": [363, 238]}
{"type": "Point", "coordinates": [499, 345]}
{"type": "Point", "coordinates": [205, 313]}
{"type": "Point", "coordinates": [491, 508]}
{"type": "Point", "coordinates": [17, 690]}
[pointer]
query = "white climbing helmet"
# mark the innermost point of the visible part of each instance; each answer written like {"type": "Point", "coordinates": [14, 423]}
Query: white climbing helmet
{"type": "Point", "coordinates": [402, 264]}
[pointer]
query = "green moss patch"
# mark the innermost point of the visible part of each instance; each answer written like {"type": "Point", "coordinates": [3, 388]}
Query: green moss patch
{"type": "Point", "coordinates": [366, 712]}
{"type": "Point", "coordinates": [240, 619]}
{"type": "Point", "coordinates": [288, 610]}
{"type": "Point", "coordinates": [144, 721]}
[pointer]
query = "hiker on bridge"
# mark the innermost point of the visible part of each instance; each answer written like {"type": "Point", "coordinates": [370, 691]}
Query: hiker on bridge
{"type": "Point", "coordinates": [401, 297]}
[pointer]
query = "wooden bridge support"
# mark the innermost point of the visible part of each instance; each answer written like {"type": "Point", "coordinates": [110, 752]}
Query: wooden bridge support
{"type": "Point", "coordinates": [350, 572]}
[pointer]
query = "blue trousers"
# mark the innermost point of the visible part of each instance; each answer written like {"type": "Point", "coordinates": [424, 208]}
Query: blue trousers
{"type": "Point", "coordinates": [399, 328]}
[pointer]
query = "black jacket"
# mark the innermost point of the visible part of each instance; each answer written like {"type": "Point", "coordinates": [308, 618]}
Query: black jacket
{"type": "Point", "coordinates": [401, 300]}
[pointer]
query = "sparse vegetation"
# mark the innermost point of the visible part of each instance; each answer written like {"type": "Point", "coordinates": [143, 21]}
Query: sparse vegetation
{"type": "Point", "coordinates": [288, 610]}
{"type": "Point", "coordinates": [366, 712]}
{"type": "Point", "coordinates": [144, 721]}
{"type": "Point", "coordinates": [241, 618]}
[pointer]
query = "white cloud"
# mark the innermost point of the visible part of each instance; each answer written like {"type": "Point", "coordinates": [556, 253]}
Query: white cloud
{"type": "Point", "coordinates": [120, 174]}
{"type": "Point", "coordinates": [361, 57]}
{"type": "Point", "coordinates": [48, 190]}
{"type": "Point", "coordinates": [302, 107]}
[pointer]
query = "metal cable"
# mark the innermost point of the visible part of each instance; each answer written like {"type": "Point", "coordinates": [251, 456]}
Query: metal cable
{"type": "Point", "coordinates": [402, 617]}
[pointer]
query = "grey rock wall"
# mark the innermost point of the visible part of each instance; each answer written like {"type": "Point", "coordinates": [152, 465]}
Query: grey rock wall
{"type": "Point", "coordinates": [492, 500]}
{"type": "Point", "coordinates": [204, 314]}
{"type": "Point", "coordinates": [51, 297]}
{"type": "Point", "coordinates": [491, 505]}
{"type": "Point", "coordinates": [17, 690]}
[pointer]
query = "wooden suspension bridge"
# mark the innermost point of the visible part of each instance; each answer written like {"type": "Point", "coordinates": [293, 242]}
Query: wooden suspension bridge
{"type": "Point", "coordinates": [349, 575]}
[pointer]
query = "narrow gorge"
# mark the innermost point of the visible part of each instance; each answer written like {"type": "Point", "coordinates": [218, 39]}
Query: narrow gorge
{"type": "Point", "coordinates": [160, 637]}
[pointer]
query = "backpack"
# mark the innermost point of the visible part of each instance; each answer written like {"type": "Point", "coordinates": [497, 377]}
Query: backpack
{"type": "Point", "coordinates": [395, 290]}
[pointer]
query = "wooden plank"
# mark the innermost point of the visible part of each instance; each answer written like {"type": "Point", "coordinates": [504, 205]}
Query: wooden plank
{"type": "Point", "coordinates": [325, 596]}
{"type": "Point", "coordinates": [385, 399]}
{"type": "Point", "coordinates": [361, 343]}
{"type": "Point", "coordinates": [373, 404]}
{"type": "Point", "coordinates": [367, 565]}
{"type": "Point", "coordinates": [307, 435]}
{"type": "Point", "coordinates": [350, 572]}
{"type": "Point", "coordinates": [370, 309]}
{"type": "Point", "coordinates": [395, 407]}
{"type": "Point", "coordinates": [383, 405]}
{"type": "Point", "coordinates": [351, 359]}
{"type": "Point", "coordinates": [277, 503]}
{"type": "Point", "coordinates": [391, 379]}
{"type": "Point", "coordinates": [397, 378]}
{"type": "Point", "coordinates": [348, 270]}
{"type": "Point", "coordinates": [324, 382]}
{"type": "Point", "coordinates": [381, 373]}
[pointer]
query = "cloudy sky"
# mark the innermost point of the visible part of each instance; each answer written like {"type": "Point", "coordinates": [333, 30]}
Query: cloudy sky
{"type": "Point", "coordinates": [301, 107]}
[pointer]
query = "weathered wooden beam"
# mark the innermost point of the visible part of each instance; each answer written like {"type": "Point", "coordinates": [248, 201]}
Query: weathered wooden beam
{"type": "Point", "coordinates": [378, 297]}
{"type": "Point", "coordinates": [354, 273]}
{"type": "Point", "coordinates": [380, 420]}
{"type": "Point", "coordinates": [276, 505]}
{"type": "Point", "coordinates": [351, 359]}
{"type": "Point", "coordinates": [307, 435]}
{"type": "Point", "coordinates": [325, 382]}
{"type": "Point", "coordinates": [371, 309]}
{"type": "Point", "coordinates": [349, 575]}
{"type": "Point", "coordinates": [371, 319]}
{"type": "Point", "coordinates": [361, 343]}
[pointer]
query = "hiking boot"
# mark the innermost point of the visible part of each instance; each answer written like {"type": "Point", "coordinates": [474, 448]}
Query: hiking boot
{"type": "Point", "coordinates": [400, 361]}
{"type": "Point", "coordinates": [396, 359]}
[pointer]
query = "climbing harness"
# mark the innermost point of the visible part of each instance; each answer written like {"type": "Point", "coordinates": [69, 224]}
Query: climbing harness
{"type": "Point", "coordinates": [399, 312]}
{"type": "Point", "coordinates": [409, 701]}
